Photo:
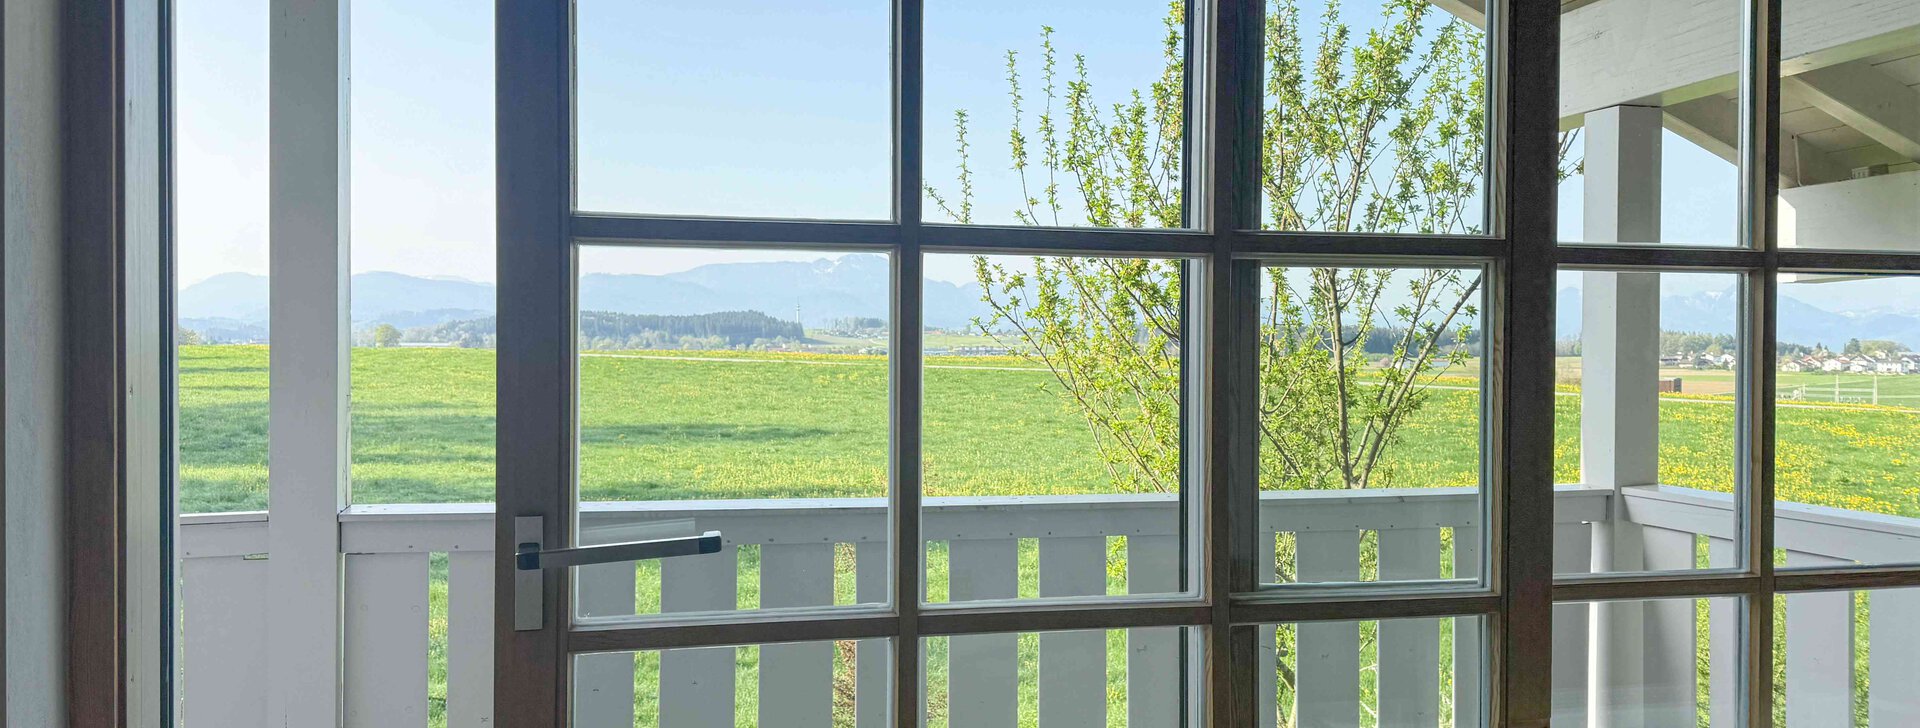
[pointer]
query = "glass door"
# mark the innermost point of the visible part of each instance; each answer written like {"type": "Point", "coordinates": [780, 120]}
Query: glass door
{"type": "Point", "coordinates": [925, 362]}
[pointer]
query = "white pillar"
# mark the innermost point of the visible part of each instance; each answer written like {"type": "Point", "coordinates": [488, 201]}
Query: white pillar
{"type": "Point", "coordinates": [1619, 400]}
{"type": "Point", "coordinates": [307, 451]}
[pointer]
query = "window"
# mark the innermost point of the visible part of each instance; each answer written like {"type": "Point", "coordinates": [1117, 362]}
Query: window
{"type": "Point", "coordinates": [1373, 118]}
{"type": "Point", "coordinates": [1100, 360]}
{"type": "Point", "coordinates": [421, 292]}
{"type": "Point", "coordinates": [1370, 419]}
{"type": "Point", "coordinates": [1647, 400]}
{"type": "Point", "coordinates": [786, 115]}
{"type": "Point", "coordinates": [1057, 113]}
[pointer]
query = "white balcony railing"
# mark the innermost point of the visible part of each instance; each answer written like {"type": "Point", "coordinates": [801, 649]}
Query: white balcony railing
{"type": "Point", "coordinates": [387, 551]}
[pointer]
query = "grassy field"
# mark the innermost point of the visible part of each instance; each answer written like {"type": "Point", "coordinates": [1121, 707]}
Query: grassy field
{"type": "Point", "coordinates": [730, 425]}
{"type": "Point", "coordinates": [698, 425]}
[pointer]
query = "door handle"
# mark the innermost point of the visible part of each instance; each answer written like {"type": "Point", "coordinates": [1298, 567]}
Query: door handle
{"type": "Point", "coordinates": [531, 560]}
{"type": "Point", "coordinates": [530, 557]}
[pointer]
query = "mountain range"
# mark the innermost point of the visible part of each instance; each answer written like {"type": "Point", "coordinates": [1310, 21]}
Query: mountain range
{"type": "Point", "coordinates": [817, 292]}
{"type": "Point", "coordinates": [1800, 322]}
{"type": "Point", "coordinates": [233, 306]}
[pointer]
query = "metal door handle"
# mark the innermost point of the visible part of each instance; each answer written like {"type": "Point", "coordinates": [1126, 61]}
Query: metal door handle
{"type": "Point", "coordinates": [531, 560]}
{"type": "Point", "coordinates": [530, 557]}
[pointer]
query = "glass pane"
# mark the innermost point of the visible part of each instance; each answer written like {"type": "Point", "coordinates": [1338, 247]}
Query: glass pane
{"type": "Point", "coordinates": [739, 109]}
{"type": "Point", "coordinates": [1394, 673]}
{"type": "Point", "coordinates": [1137, 677]}
{"type": "Point", "coordinates": [714, 394]}
{"type": "Point", "coordinates": [422, 293]}
{"type": "Point", "coordinates": [1053, 424]}
{"type": "Point", "coordinates": [766, 686]}
{"type": "Point", "coordinates": [1059, 112]}
{"type": "Point", "coordinates": [220, 256]}
{"type": "Point", "coordinates": [1846, 658]}
{"type": "Point", "coordinates": [1649, 101]}
{"type": "Point", "coordinates": [1657, 662]}
{"type": "Point", "coordinates": [1846, 420]}
{"type": "Point", "coordinates": [1371, 424]}
{"type": "Point", "coordinates": [1374, 118]}
{"type": "Point", "coordinates": [1646, 421]}
{"type": "Point", "coordinates": [1849, 138]}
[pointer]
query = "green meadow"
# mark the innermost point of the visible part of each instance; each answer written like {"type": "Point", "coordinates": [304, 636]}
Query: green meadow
{"type": "Point", "coordinates": [698, 425]}
{"type": "Point", "coordinates": [701, 425]}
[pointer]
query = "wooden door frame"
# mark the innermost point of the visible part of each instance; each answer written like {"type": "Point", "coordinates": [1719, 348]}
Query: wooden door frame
{"type": "Point", "coordinates": [117, 228]}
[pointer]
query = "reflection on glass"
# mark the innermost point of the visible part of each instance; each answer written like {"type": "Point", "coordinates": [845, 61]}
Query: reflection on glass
{"type": "Point", "coordinates": [1053, 400]}
{"type": "Point", "coordinates": [1137, 677]}
{"type": "Point", "coordinates": [738, 391]}
{"type": "Point", "coordinates": [1661, 172]}
{"type": "Point", "coordinates": [1387, 673]}
{"type": "Point", "coordinates": [1849, 143]}
{"type": "Point", "coordinates": [1370, 424]}
{"type": "Point", "coordinates": [1847, 658]}
{"type": "Point", "coordinates": [1658, 662]}
{"type": "Point", "coordinates": [422, 293]}
{"type": "Point", "coordinates": [1646, 419]}
{"type": "Point", "coordinates": [1847, 420]}
{"type": "Point", "coordinates": [1057, 112]}
{"type": "Point", "coordinates": [220, 256]}
{"type": "Point", "coordinates": [1374, 118]}
{"type": "Point", "coordinates": [765, 686]}
{"type": "Point", "coordinates": [752, 108]}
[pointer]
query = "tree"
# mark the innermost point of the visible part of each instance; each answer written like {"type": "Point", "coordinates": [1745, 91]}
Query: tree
{"type": "Point", "coordinates": [1379, 134]}
{"type": "Point", "coordinates": [385, 335]}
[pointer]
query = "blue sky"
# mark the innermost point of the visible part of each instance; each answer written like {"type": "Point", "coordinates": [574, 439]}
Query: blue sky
{"type": "Point", "coordinates": [747, 108]}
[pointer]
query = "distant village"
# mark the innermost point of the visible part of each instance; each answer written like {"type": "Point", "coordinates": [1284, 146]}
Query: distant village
{"type": "Point", "coordinates": [1879, 362]}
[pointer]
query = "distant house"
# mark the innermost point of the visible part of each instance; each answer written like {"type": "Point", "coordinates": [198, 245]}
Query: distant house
{"type": "Point", "coordinates": [1836, 364]}
{"type": "Point", "coordinates": [1888, 365]}
{"type": "Point", "coordinates": [1792, 365]}
{"type": "Point", "coordinates": [1910, 362]}
{"type": "Point", "coordinates": [1860, 366]}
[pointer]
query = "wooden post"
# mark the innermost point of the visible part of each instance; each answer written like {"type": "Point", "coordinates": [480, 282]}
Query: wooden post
{"type": "Point", "coordinates": [1619, 387]}
{"type": "Point", "coordinates": [307, 480]}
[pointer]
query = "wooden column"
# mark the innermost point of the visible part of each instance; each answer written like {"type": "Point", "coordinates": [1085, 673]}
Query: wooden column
{"type": "Point", "coordinates": [1619, 397]}
{"type": "Point", "coordinates": [307, 429]}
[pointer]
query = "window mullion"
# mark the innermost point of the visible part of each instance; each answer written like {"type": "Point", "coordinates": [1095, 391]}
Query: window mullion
{"type": "Point", "coordinates": [904, 450]}
{"type": "Point", "coordinates": [1228, 99]}
{"type": "Point", "coordinates": [1760, 188]}
{"type": "Point", "coordinates": [1522, 542]}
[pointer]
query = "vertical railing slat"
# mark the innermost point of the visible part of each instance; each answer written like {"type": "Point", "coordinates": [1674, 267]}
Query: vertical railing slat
{"type": "Point", "coordinates": [1266, 654]}
{"type": "Point", "coordinates": [470, 639]}
{"type": "Point", "coordinates": [603, 683]}
{"type": "Point", "coordinates": [386, 640]}
{"type": "Point", "coordinates": [1893, 658]}
{"type": "Point", "coordinates": [1409, 651]}
{"type": "Point", "coordinates": [1073, 665]}
{"type": "Point", "coordinates": [1153, 653]}
{"type": "Point", "coordinates": [982, 670]}
{"type": "Point", "coordinates": [1819, 633]}
{"type": "Point", "coordinates": [1723, 645]}
{"type": "Point", "coordinates": [796, 680]}
{"type": "Point", "coordinates": [1572, 554]}
{"type": "Point", "coordinates": [696, 684]}
{"type": "Point", "coordinates": [873, 668]}
{"type": "Point", "coordinates": [1469, 656]}
{"type": "Point", "coordinates": [223, 603]}
{"type": "Point", "coordinates": [1328, 672]}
